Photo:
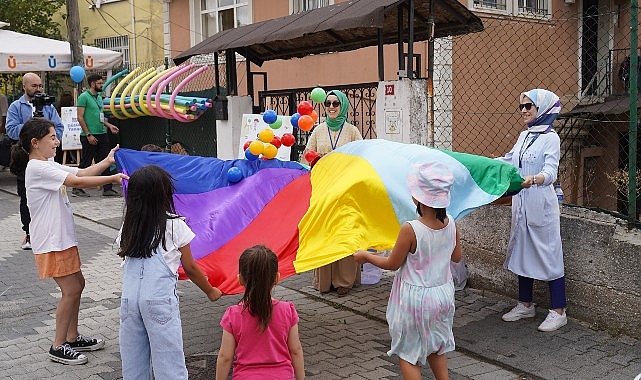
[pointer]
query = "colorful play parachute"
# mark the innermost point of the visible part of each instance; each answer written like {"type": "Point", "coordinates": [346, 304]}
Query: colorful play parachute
{"type": "Point", "coordinates": [354, 198]}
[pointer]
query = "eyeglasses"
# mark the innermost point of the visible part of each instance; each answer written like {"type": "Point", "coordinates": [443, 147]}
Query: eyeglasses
{"type": "Point", "coordinates": [527, 106]}
{"type": "Point", "coordinates": [335, 103]}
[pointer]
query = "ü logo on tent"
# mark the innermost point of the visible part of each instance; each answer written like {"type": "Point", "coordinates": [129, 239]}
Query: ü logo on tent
{"type": "Point", "coordinates": [11, 62]}
{"type": "Point", "coordinates": [89, 61]}
{"type": "Point", "coordinates": [51, 61]}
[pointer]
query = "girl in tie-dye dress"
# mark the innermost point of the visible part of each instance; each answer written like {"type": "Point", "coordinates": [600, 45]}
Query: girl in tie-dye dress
{"type": "Point", "coordinates": [420, 310]}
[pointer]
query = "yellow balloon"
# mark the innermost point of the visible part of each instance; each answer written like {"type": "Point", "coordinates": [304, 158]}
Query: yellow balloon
{"type": "Point", "coordinates": [270, 151]}
{"type": "Point", "coordinates": [266, 135]}
{"type": "Point", "coordinates": [256, 147]}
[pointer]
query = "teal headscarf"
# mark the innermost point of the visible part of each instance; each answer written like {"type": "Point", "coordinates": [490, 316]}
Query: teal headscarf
{"type": "Point", "coordinates": [337, 123]}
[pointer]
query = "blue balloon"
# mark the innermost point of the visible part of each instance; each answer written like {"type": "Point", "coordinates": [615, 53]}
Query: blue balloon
{"type": "Point", "coordinates": [234, 174]}
{"type": "Point", "coordinates": [250, 156]}
{"type": "Point", "coordinates": [77, 74]}
{"type": "Point", "coordinates": [294, 119]}
{"type": "Point", "coordinates": [270, 116]}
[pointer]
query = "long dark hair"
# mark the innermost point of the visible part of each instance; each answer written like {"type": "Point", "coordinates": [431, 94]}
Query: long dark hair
{"type": "Point", "coordinates": [34, 128]}
{"type": "Point", "coordinates": [441, 213]}
{"type": "Point", "coordinates": [150, 204]}
{"type": "Point", "coordinates": [258, 267]}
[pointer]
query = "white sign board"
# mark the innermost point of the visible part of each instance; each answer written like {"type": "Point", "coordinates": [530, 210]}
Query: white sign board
{"type": "Point", "coordinates": [71, 134]}
{"type": "Point", "coordinates": [253, 123]}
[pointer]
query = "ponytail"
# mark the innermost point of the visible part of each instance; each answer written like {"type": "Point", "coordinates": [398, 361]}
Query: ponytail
{"type": "Point", "coordinates": [34, 128]}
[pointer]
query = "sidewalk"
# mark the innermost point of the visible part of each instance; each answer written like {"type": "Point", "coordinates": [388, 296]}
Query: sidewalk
{"type": "Point", "coordinates": [343, 338]}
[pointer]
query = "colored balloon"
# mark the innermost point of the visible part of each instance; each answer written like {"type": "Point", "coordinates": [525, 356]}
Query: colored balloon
{"type": "Point", "coordinates": [246, 144]}
{"type": "Point", "coordinates": [266, 135]}
{"type": "Point", "coordinates": [318, 95]}
{"type": "Point", "coordinates": [77, 74]}
{"type": "Point", "coordinates": [305, 123]}
{"type": "Point", "coordinates": [305, 108]}
{"type": "Point", "coordinates": [270, 116]}
{"type": "Point", "coordinates": [314, 115]}
{"type": "Point", "coordinates": [277, 124]}
{"type": "Point", "coordinates": [294, 119]}
{"type": "Point", "coordinates": [256, 147]}
{"type": "Point", "coordinates": [234, 174]}
{"type": "Point", "coordinates": [276, 142]}
{"type": "Point", "coordinates": [288, 139]}
{"type": "Point", "coordinates": [270, 151]}
{"type": "Point", "coordinates": [311, 155]}
{"type": "Point", "coordinates": [250, 156]}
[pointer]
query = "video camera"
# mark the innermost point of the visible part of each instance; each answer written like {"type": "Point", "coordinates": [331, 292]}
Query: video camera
{"type": "Point", "coordinates": [39, 101]}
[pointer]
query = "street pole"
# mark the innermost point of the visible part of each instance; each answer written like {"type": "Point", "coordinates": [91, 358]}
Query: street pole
{"type": "Point", "coordinates": [75, 39]}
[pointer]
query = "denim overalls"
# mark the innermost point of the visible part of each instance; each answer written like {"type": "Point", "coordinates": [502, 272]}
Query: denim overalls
{"type": "Point", "coordinates": [150, 326]}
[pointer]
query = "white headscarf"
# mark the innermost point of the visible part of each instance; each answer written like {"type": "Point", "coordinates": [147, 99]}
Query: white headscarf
{"type": "Point", "coordinates": [548, 107]}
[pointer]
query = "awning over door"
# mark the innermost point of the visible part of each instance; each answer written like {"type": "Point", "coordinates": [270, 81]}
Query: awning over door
{"type": "Point", "coordinates": [344, 26]}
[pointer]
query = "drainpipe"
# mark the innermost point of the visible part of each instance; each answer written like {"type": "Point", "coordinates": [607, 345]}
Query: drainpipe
{"type": "Point", "coordinates": [430, 80]}
{"type": "Point", "coordinates": [133, 34]}
{"type": "Point", "coordinates": [632, 146]}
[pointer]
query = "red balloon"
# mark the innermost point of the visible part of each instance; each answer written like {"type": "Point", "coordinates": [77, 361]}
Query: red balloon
{"type": "Point", "coordinates": [305, 123]}
{"type": "Point", "coordinates": [246, 145]}
{"type": "Point", "coordinates": [314, 115]}
{"type": "Point", "coordinates": [276, 142]}
{"type": "Point", "coordinates": [305, 108]}
{"type": "Point", "coordinates": [287, 139]}
{"type": "Point", "coordinates": [311, 155]}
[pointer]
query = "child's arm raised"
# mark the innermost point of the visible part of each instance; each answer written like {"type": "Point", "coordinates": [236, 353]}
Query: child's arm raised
{"type": "Point", "coordinates": [225, 355]}
{"type": "Point", "coordinates": [296, 351]}
{"type": "Point", "coordinates": [92, 181]}
{"type": "Point", "coordinates": [98, 168]}
{"type": "Point", "coordinates": [196, 275]}
{"type": "Point", "coordinates": [457, 253]}
{"type": "Point", "coordinates": [405, 243]}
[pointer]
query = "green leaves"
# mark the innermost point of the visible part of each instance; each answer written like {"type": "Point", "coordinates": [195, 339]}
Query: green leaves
{"type": "Point", "coordinates": [32, 17]}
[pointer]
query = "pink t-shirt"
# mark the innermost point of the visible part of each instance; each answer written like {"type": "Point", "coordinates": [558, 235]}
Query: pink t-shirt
{"type": "Point", "coordinates": [261, 355]}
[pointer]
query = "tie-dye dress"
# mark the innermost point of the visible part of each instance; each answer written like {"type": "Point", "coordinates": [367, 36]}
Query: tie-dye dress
{"type": "Point", "coordinates": [420, 310]}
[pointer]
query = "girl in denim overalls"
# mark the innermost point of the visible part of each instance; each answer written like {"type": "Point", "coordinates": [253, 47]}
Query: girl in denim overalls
{"type": "Point", "coordinates": [153, 241]}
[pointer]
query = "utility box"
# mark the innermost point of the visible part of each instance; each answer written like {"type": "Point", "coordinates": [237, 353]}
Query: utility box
{"type": "Point", "coordinates": [219, 107]}
{"type": "Point", "coordinates": [401, 111]}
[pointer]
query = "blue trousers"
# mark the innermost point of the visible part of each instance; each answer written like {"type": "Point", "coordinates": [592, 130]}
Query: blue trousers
{"type": "Point", "coordinates": [557, 291]}
{"type": "Point", "coordinates": [150, 327]}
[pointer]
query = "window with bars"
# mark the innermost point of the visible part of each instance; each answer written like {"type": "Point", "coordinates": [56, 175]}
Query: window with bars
{"type": "Point", "coordinates": [118, 43]}
{"type": "Point", "coordinates": [217, 15]}
{"type": "Point", "coordinates": [527, 8]}
{"type": "Point", "coordinates": [305, 5]}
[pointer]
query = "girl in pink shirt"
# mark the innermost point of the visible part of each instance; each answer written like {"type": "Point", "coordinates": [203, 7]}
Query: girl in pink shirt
{"type": "Point", "coordinates": [260, 331]}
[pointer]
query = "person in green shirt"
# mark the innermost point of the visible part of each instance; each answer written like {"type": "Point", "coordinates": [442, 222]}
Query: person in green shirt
{"type": "Point", "coordinates": [94, 139]}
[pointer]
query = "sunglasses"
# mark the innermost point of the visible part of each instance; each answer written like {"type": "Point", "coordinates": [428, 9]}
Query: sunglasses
{"type": "Point", "coordinates": [527, 106]}
{"type": "Point", "coordinates": [335, 103]}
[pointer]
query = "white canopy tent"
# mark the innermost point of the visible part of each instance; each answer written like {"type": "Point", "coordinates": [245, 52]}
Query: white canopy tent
{"type": "Point", "coordinates": [20, 53]}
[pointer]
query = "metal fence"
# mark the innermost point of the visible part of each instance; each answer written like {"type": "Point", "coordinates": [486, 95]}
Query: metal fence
{"type": "Point", "coordinates": [362, 112]}
{"type": "Point", "coordinates": [588, 67]}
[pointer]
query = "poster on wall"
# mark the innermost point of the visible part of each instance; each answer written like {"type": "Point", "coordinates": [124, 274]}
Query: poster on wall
{"type": "Point", "coordinates": [253, 123]}
{"type": "Point", "coordinates": [71, 133]}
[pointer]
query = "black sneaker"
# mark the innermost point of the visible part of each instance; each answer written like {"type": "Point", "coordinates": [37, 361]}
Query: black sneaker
{"type": "Point", "coordinates": [110, 193]}
{"type": "Point", "coordinates": [79, 193]}
{"type": "Point", "coordinates": [66, 355]}
{"type": "Point", "coordinates": [84, 343]}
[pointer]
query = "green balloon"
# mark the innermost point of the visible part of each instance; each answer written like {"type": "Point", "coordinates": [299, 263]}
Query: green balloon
{"type": "Point", "coordinates": [318, 95]}
{"type": "Point", "coordinates": [277, 124]}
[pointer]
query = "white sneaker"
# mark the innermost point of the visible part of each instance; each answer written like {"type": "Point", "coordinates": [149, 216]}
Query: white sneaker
{"type": "Point", "coordinates": [553, 321]}
{"type": "Point", "coordinates": [519, 311]}
{"type": "Point", "coordinates": [26, 243]}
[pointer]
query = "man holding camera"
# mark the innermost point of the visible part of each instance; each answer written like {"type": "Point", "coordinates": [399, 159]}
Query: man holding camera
{"type": "Point", "coordinates": [19, 112]}
{"type": "Point", "coordinates": [94, 138]}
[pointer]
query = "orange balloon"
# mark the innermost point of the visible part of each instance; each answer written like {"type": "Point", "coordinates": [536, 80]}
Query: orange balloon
{"type": "Point", "coordinates": [314, 115]}
{"type": "Point", "coordinates": [305, 123]}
